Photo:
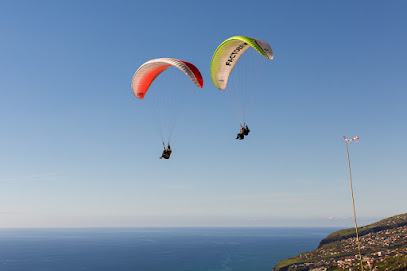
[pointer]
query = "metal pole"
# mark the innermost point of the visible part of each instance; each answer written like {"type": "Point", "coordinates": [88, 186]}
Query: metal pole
{"type": "Point", "coordinates": [354, 211]}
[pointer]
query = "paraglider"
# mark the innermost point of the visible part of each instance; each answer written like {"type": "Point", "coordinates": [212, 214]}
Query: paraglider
{"type": "Point", "coordinates": [228, 53]}
{"type": "Point", "coordinates": [166, 152]}
{"type": "Point", "coordinates": [149, 71]}
{"type": "Point", "coordinates": [244, 131]}
{"type": "Point", "coordinates": [240, 135]}
{"type": "Point", "coordinates": [144, 77]}
{"type": "Point", "coordinates": [224, 61]}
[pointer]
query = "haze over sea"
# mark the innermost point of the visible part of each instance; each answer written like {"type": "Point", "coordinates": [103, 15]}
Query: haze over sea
{"type": "Point", "coordinates": [154, 249]}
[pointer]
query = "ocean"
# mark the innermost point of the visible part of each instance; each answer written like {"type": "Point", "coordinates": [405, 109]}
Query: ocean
{"type": "Point", "coordinates": [154, 249]}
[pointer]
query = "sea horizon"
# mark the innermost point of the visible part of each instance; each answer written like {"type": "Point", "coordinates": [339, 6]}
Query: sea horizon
{"type": "Point", "coordinates": [175, 227]}
{"type": "Point", "coordinates": [154, 248]}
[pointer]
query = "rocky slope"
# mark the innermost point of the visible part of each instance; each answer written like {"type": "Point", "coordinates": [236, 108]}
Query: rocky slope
{"type": "Point", "coordinates": [383, 247]}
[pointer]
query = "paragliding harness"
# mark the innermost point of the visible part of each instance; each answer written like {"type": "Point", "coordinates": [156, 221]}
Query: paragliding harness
{"type": "Point", "coordinates": [244, 131]}
{"type": "Point", "coordinates": [166, 152]}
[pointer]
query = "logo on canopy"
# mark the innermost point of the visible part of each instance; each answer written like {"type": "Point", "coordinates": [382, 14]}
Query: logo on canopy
{"type": "Point", "coordinates": [234, 53]}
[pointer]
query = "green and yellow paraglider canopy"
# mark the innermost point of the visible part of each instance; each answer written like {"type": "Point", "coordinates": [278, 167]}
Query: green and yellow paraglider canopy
{"type": "Point", "coordinates": [228, 53]}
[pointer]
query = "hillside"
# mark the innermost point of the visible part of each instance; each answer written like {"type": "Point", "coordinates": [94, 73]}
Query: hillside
{"type": "Point", "coordinates": [383, 247]}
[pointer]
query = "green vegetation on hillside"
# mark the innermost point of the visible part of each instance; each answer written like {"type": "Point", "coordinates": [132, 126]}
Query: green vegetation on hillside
{"type": "Point", "coordinates": [388, 223]}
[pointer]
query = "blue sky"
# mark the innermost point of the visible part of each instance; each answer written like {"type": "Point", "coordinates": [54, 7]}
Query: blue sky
{"type": "Point", "coordinates": [77, 148]}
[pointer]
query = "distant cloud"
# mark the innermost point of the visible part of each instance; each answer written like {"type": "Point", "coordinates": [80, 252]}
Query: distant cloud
{"type": "Point", "coordinates": [349, 220]}
{"type": "Point", "coordinates": [178, 187]}
{"type": "Point", "coordinates": [274, 197]}
{"type": "Point", "coordinates": [8, 213]}
{"type": "Point", "coordinates": [44, 176]}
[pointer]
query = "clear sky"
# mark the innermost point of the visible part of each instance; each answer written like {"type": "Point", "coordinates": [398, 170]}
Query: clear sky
{"type": "Point", "coordinates": [77, 148]}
